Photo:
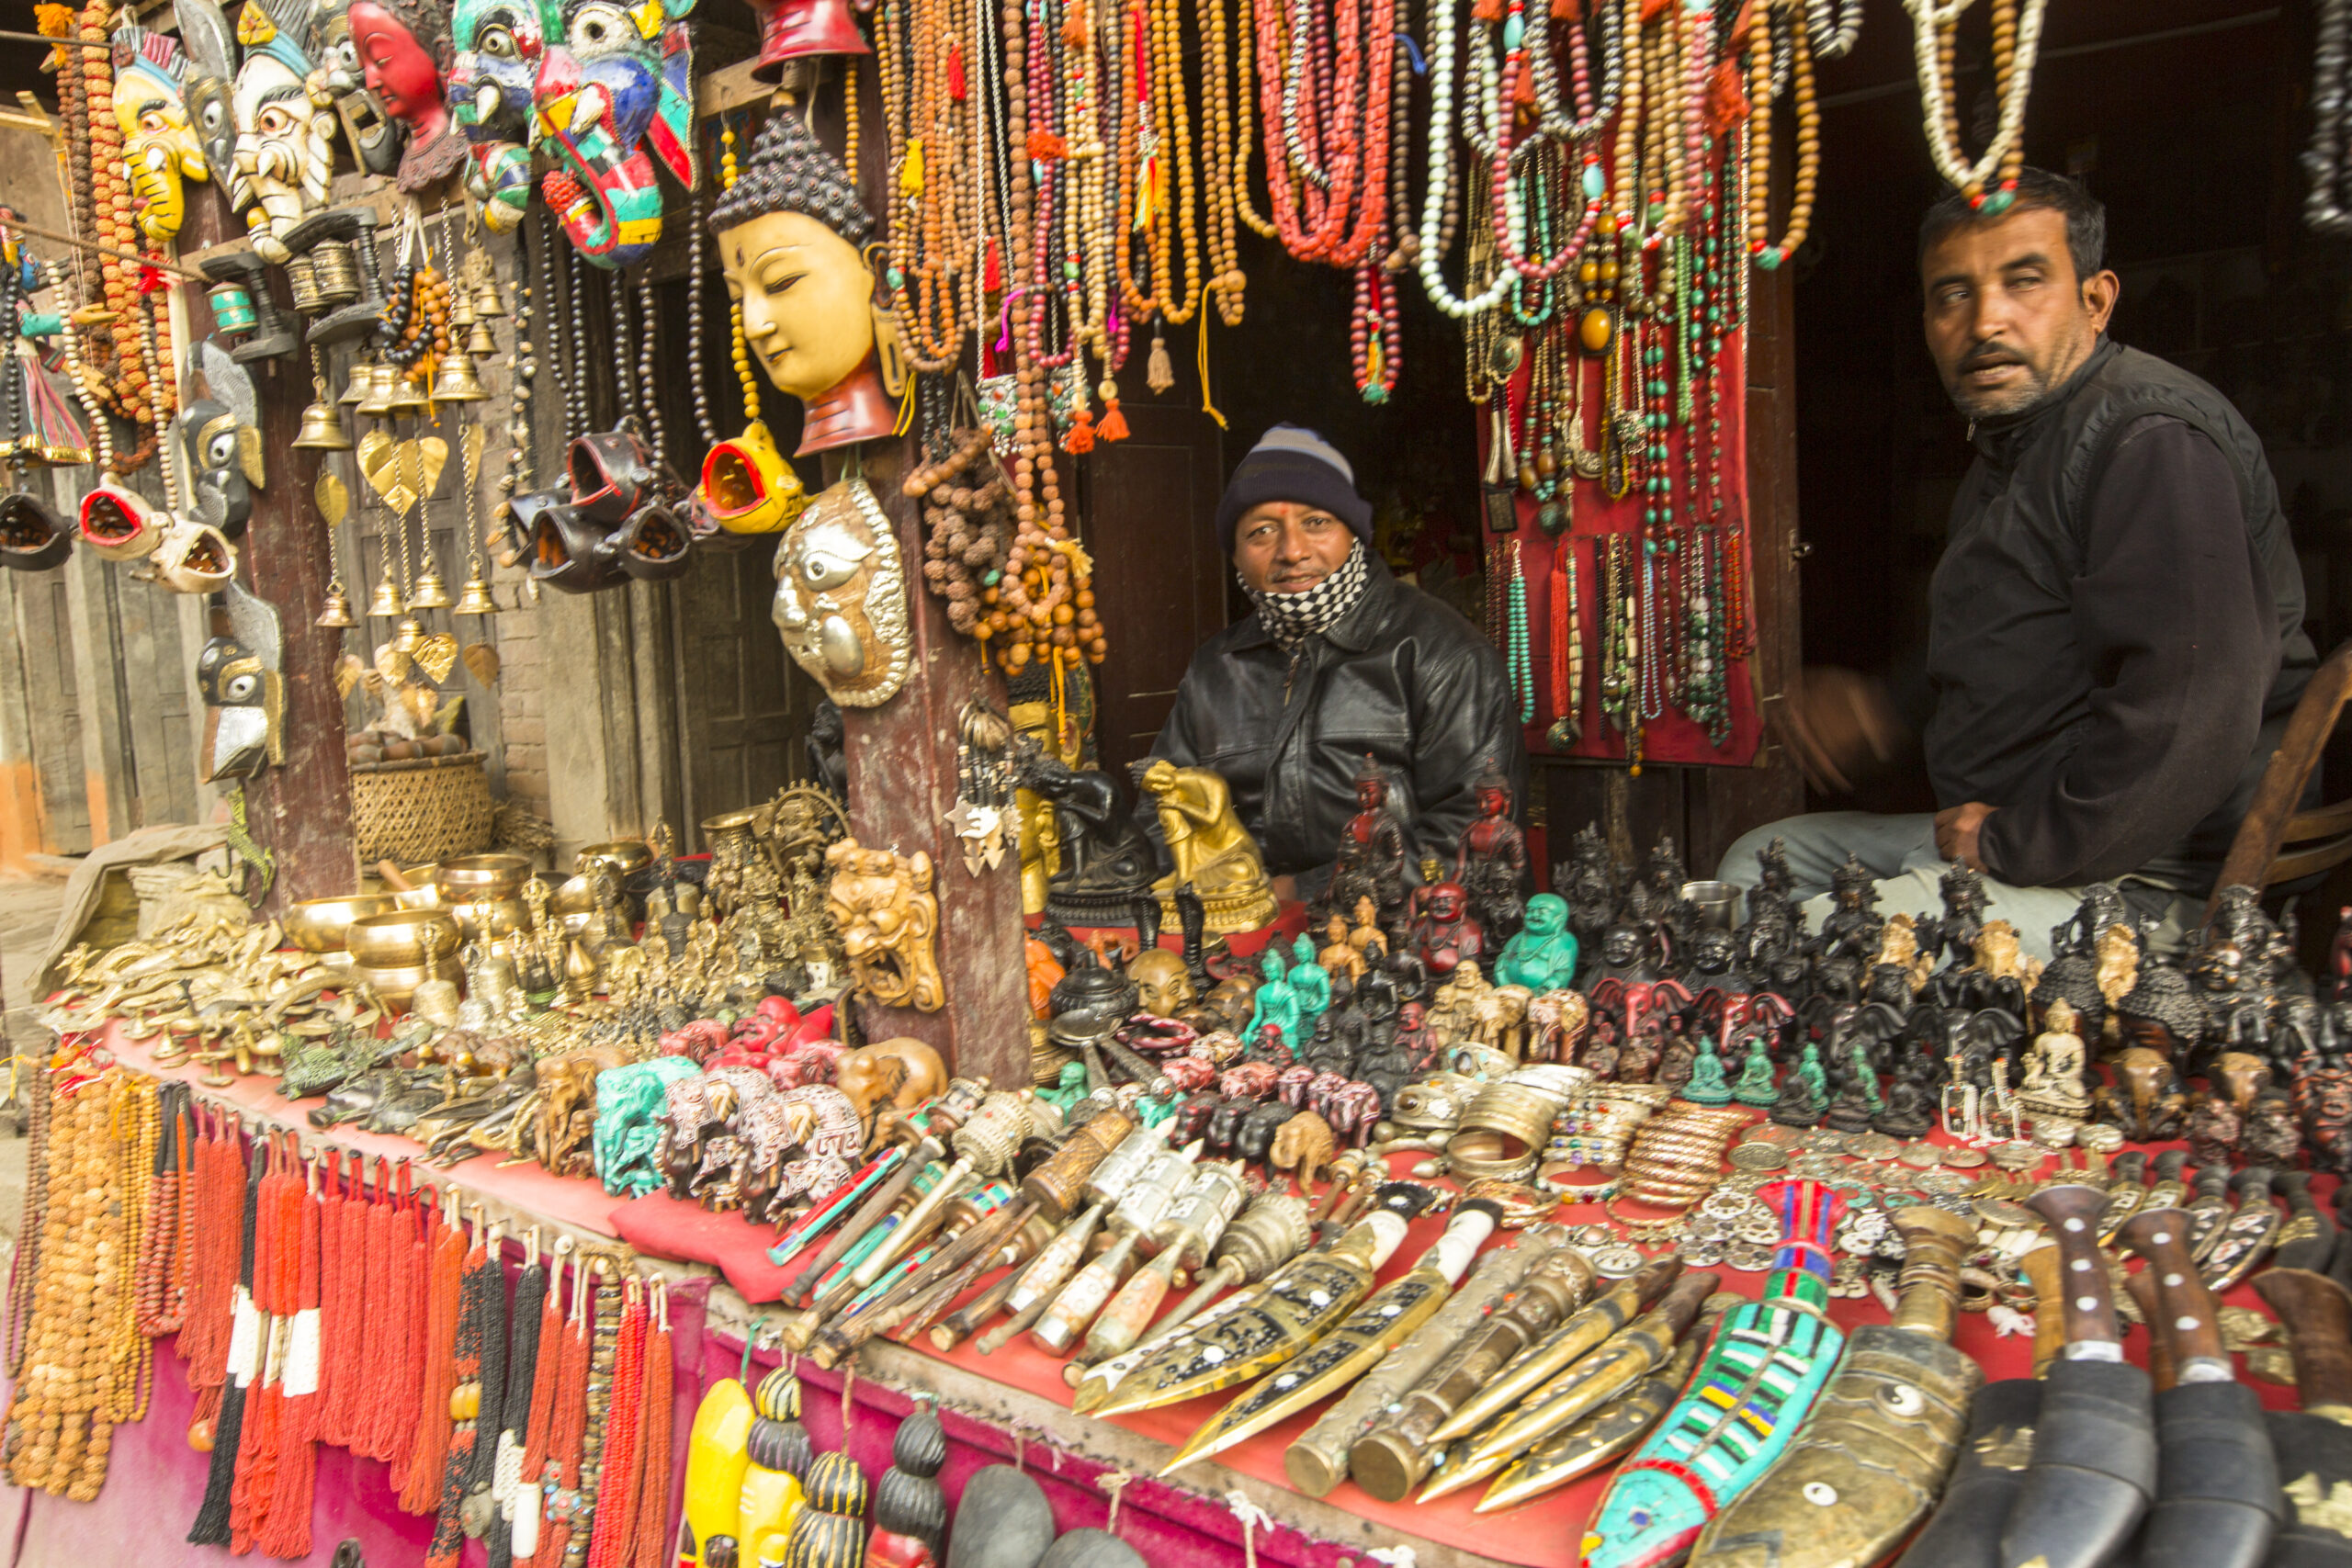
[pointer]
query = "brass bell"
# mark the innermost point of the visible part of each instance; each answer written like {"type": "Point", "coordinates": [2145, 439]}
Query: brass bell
{"type": "Point", "coordinates": [402, 397]}
{"type": "Point", "coordinates": [377, 401]}
{"type": "Point", "coordinates": [461, 308]}
{"type": "Point", "coordinates": [454, 381]}
{"type": "Point", "coordinates": [338, 607]}
{"type": "Point", "coordinates": [486, 301]}
{"type": "Point", "coordinates": [323, 429]}
{"type": "Point", "coordinates": [386, 601]}
{"type": "Point", "coordinates": [356, 385]}
{"type": "Point", "coordinates": [431, 594]}
{"type": "Point", "coordinates": [478, 341]}
{"type": "Point", "coordinates": [406, 635]}
{"type": "Point", "coordinates": [474, 599]}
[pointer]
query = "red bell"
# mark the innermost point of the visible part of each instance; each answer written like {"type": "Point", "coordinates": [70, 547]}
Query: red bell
{"type": "Point", "coordinates": [792, 29]}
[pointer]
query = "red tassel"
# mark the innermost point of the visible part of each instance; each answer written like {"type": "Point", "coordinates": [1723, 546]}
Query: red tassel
{"type": "Point", "coordinates": [1080, 439]}
{"type": "Point", "coordinates": [1114, 426]}
{"type": "Point", "coordinates": [956, 87]}
{"type": "Point", "coordinates": [1045, 146]}
{"type": "Point", "coordinates": [992, 269]}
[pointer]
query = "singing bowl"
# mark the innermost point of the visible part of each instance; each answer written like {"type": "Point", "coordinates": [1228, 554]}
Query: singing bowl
{"type": "Point", "coordinates": [625, 857]}
{"type": "Point", "coordinates": [471, 879]}
{"type": "Point", "coordinates": [401, 938]}
{"type": "Point", "coordinates": [396, 984]}
{"type": "Point", "coordinates": [491, 917]}
{"type": "Point", "coordinates": [316, 925]}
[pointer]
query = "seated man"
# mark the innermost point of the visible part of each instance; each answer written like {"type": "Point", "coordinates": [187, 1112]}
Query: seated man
{"type": "Point", "coordinates": [2115, 631]}
{"type": "Point", "coordinates": [1338, 662]}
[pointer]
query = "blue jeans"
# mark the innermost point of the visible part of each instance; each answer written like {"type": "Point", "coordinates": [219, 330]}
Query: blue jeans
{"type": "Point", "coordinates": [1900, 852]}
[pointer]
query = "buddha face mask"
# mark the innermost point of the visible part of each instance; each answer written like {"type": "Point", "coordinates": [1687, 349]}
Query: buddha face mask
{"type": "Point", "coordinates": [205, 88]}
{"type": "Point", "coordinates": [243, 693]}
{"type": "Point", "coordinates": [285, 133]}
{"type": "Point", "coordinates": [613, 84]}
{"type": "Point", "coordinates": [791, 234]}
{"type": "Point", "coordinates": [158, 143]}
{"type": "Point", "coordinates": [840, 597]}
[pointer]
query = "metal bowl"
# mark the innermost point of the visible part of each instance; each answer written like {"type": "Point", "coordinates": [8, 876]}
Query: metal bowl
{"type": "Point", "coordinates": [396, 984]}
{"type": "Point", "coordinates": [471, 879]}
{"type": "Point", "coordinates": [402, 938]}
{"type": "Point", "coordinates": [624, 855]}
{"type": "Point", "coordinates": [491, 917]}
{"type": "Point", "coordinates": [316, 925]}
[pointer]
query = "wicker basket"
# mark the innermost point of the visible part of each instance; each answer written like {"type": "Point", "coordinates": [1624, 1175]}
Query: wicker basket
{"type": "Point", "coordinates": [420, 812]}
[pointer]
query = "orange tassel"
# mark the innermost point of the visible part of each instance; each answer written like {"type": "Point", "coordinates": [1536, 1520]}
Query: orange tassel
{"type": "Point", "coordinates": [1080, 439]}
{"type": "Point", "coordinates": [1114, 426]}
{"type": "Point", "coordinates": [1486, 11]}
{"type": "Point", "coordinates": [1045, 146]}
{"type": "Point", "coordinates": [1075, 29]}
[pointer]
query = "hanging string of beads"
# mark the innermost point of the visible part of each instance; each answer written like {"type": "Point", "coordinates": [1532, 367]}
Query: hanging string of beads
{"type": "Point", "coordinates": [2017, 44]}
{"type": "Point", "coordinates": [2327, 161]}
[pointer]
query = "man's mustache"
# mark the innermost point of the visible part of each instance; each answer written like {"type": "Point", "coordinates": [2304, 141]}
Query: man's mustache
{"type": "Point", "coordinates": [1985, 357]}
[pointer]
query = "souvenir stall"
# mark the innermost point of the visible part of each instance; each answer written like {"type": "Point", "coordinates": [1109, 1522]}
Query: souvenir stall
{"type": "Point", "coordinates": [939, 1168]}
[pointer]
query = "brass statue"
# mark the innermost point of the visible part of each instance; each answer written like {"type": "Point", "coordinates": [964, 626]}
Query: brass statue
{"type": "Point", "coordinates": [1041, 848]}
{"type": "Point", "coordinates": [1213, 853]}
{"type": "Point", "coordinates": [2053, 1073]}
{"type": "Point", "coordinates": [887, 915]}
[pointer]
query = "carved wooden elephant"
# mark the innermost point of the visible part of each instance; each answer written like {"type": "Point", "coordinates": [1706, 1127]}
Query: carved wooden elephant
{"type": "Point", "coordinates": [902, 1072]}
{"type": "Point", "coordinates": [1302, 1147]}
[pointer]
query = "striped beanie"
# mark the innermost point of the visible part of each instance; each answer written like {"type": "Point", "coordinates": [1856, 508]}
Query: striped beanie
{"type": "Point", "coordinates": [1293, 462]}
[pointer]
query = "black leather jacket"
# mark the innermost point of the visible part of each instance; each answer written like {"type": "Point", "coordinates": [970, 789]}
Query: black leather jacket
{"type": "Point", "coordinates": [1401, 676]}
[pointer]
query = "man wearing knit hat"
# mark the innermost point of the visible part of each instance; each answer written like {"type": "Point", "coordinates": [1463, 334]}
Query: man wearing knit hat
{"type": "Point", "coordinates": [1340, 660]}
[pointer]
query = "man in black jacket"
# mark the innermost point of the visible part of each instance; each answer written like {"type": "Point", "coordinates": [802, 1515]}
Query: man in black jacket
{"type": "Point", "coordinates": [1339, 660]}
{"type": "Point", "coordinates": [2115, 633]}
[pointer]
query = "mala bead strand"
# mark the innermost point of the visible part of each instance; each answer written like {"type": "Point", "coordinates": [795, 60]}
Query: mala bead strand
{"type": "Point", "coordinates": [470, 1372]}
{"type": "Point", "coordinates": [603, 1350]}
{"type": "Point", "coordinates": [1770, 255]}
{"type": "Point", "coordinates": [421, 1481]}
{"type": "Point", "coordinates": [968, 523]}
{"type": "Point", "coordinates": [212, 1527]}
{"type": "Point", "coordinates": [24, 1268]}
{"type": "Point", "coordinates": [2017, 44]}
{"type": "Point", "coordinates": [618, 1483]}
{"type": "Point", "coordinates": [1174, 118]}
{"type": "Point", "coordinates": [565, 1435]}
{"type": "Point", "coordinates": [657, 1413]}
{"type": "Point", "coordinates": [518, 1408]}
{"type": "Point", "coordinates": [1441, 205]}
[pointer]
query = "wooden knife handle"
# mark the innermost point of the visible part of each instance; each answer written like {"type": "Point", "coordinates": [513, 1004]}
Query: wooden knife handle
{"type": "Point", "coordinates": [2187, 1318]}
{"type": "Point", "coordinates": [2087, 1301]}
{"type": "Point", "coordinates": [2040, 1267]}
{"type": "Point", "coordinates": [2318, 1315]}
{"type": "Point", "coordinates": [2162, 1373]}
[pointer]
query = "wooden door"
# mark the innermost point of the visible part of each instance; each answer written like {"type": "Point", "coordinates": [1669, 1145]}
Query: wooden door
{"type": "Point", "coordinates": [743, 708]}
{"type": "Point", "coordinates": [1150, 502]}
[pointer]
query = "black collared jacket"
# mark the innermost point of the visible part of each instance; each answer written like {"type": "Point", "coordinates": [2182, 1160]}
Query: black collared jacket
{"type": "Point", "coordinates": [1401, 677]}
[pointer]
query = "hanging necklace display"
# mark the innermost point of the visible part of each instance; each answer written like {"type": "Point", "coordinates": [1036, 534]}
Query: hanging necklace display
{"type": "Point", "coordinates": [1566, 649]}
{"type": "Point", "coordinates": [2327, 161]}
{"type": "Point", "coordinates": [2017, 42]}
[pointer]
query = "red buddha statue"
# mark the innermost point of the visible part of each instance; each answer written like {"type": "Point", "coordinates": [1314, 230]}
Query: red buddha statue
{"type": "Point", "coordinates": [1445, 935]}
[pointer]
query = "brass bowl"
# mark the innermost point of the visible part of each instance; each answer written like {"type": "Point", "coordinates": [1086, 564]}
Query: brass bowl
{"type": "Point", "coordinates": [624, 855]}
{"type": "Point", "coordinates": [402, 938]}
{"type": "Point", "coordinates": [491, 916]}
{"type": "Point", "coordinates": [471, 879]}
{"type": "Point", "coordinates": [396, 984]}
{"type": "Point", "coordinates": [316, 925]}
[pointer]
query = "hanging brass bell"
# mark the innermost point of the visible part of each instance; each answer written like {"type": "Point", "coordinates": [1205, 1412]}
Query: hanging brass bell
{"type": "Point", "coordinates": [406, 635]}
{"type": "Point", "coordinates": [384, 602]}
{"type": "Point", "coordinates": [461, 308]}
{"type": "Point", "coordinates": [486, 301]}
{"type": "Point", "coordinates": [454, 381]}
{"type": "Point", "coordinates": [338, 608]}
{"type": "Point", "coordinates": [474, 599]}
{"type": "Point", "coordinates": [431, 594]}
{"type": "Point", "coordinates": [376, 402]}
{"type": "Point", "coordinates": [323, 430]}
{"type": "Point", "coordinates": [478, 341]}
{"type": "Point", "coordinates": [356, 385]}
{"type": "Point", "coordinates": [403, 398]}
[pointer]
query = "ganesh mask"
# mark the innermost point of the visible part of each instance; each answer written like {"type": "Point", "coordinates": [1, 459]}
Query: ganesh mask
{"type": "Point", "coordinates": [612, 94]}
{"type": "Point", "coordinates": [285, 131]}
{"type": "Point", "coordinates": [243, 693]}
{"type": "Point", "coordinates": [840, 597]}
{"type": "Point", "coordinates": [159, 145]}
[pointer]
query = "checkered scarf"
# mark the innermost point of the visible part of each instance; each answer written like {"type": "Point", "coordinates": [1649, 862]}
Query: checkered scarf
{"type": "Point", "coordinates": [1291, 618]}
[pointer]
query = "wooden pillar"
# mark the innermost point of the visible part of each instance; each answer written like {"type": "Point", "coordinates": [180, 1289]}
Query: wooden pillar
{"type": "Point", "coordinates": [902, 782]}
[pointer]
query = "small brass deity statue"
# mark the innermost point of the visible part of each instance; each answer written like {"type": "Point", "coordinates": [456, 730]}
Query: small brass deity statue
{"type": "Point", "coordinates": [1212, 850]}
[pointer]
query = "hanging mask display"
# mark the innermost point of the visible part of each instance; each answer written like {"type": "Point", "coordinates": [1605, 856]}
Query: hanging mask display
{"type": "Point", "coordinates": [375, 136]}
{"type": "Point", "coordinates": [497, 47]}
{"type": "Point", "coordinates": [613, 93]}
{"type": "Point", "coordinates": [285, 128]}
{"type": "Point", "coordinates": [159, 145]}
{"type": "Point", "coordinates": [32, 538]}
{"type": "Point", "coordinates": [791, 241]}
{"type": "Point", "coordinates": [840, 597]}
{"type": "Point", "coordinates": [404, 51]}
{"type": "Point", "coordinates": [207, 84]}
{"type": "Point", "coordinates": [747, 485]}
{"type": "Point", "coordinates": [239, 679]}
{"type": "Point", "coordinates": [222, 434]}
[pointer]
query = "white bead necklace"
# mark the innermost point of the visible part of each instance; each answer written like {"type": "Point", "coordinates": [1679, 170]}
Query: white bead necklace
{"type": "Point", "coordinates": [1441, 49]}
{"type": "Point", "coordinates": [1929, 22]}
